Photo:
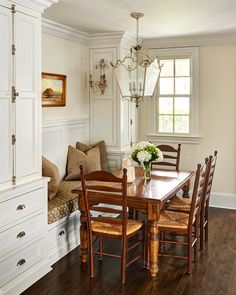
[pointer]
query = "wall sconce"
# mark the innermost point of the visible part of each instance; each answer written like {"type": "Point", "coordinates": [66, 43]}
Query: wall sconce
{"type": "Point", "coordinates": [102, 82]}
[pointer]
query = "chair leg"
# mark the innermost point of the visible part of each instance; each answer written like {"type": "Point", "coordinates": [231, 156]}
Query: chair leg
{"type": "Point", "coordinates": [100, 247]}
{"type": "Point", "coordinates": [206, 226]}
{"type": "Point", "coordinates": [91, 258]}
{"type": "Point", "coordinates": [202, 219]}
{"type": "Point", "coordinates": [144, 250]}
{"type": "Point", "coordinates": [196, 236]}
{"type": "Point", "coordinates": [147, 248]}
{"type": "Point", "coordinates": [123, 261]}
{"type": "Point", "coordinates": [189, 253]}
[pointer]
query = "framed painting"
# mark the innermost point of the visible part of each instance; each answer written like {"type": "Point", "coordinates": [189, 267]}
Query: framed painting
{"type": "Point", "coordinates": [53, 90]}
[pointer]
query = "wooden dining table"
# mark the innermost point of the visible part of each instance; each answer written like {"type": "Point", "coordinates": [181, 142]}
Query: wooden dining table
{"type": "Point", "coordinates": [148, 197]}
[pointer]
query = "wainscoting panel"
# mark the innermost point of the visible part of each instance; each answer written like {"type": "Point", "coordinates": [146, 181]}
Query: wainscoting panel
{"type": "Point", "coordinates": [58, 135]}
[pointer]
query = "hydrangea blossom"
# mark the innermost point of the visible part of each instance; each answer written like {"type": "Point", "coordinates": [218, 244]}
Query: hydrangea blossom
{"type": "Point", "coordinates": [144, 156]}
{"type": "Point", "coordinates": [146, 152]}
{"type": "Point", "coordinates": [143, 144]}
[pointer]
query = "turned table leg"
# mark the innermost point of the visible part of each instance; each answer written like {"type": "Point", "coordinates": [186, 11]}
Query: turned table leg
{"type": "Point", "coordinates": [186, 189]}
{"type": "Point", "coordinates": [153, 247]}
{"type": "Point", "coordinates": [83, 236]}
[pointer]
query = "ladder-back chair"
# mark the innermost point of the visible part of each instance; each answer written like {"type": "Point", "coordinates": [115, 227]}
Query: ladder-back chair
{"type": "Point", "coordinates": [121, 228]}
{"type": "Point", "coordinates": [186, 224]}
{"type": "Point", "coordinates": [171, 157]}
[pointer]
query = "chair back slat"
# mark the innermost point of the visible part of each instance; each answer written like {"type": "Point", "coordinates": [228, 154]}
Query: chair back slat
{"type": "Point", "coordinates": [200, 178]}
{"type": "Point", "coordinates": [104, 185]}
{"type": "Point", "coordinates": [171, 157]}
{"type": "Point", "coordinates": [162, 163]}
{"type": "Point", "coordinates": [103, 176]}
{"type": "Point", "coordinates": [107, 220]}
{"type": "Point", "coordinates": [105, 209]}
{"type": "Point", "coordinates": [103, 188]}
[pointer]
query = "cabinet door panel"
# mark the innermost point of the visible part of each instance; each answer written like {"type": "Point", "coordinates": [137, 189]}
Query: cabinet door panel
{"type": "Point", "coordinates": [5, 103]}
{"type": "Point", "coordinates": [27, 103]}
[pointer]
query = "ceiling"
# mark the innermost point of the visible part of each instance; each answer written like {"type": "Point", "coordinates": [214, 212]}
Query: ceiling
{"type": "Point", "coordinates": [163, 18]}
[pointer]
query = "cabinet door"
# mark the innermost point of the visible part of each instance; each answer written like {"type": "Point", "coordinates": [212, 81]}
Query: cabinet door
{"type": "Point", "coordinates": [5, 103]}
{"type": "Point", "coordinates": [27, 103]}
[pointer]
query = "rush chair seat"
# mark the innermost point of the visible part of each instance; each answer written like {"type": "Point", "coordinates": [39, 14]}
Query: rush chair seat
{"type": "Point", "coordinates": [185, 224]}
{"type": "Point", "coordinates": [105, 184]}
{"type": "Point", "coordinates": [171, 157]}
{"type": "Point", "coordinates": [183, 205]}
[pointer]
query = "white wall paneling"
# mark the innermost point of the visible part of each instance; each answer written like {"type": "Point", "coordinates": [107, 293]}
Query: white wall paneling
{"type": "Point", "coordinates": [103, 106]}
{"type": "Point", "coordinates": [57, 135]}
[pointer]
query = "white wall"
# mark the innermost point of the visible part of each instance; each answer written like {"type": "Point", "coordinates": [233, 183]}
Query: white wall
{"type": "Point", "coordinates": [62, 56]}
{"type": "Point", "coordinates": [217, 116]}
{"type": "Point", "coordinates": [217, 103]}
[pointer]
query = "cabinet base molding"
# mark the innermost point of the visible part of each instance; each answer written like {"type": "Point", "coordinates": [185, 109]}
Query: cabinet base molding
{"type": "Point", "coordinates": [26, 279]}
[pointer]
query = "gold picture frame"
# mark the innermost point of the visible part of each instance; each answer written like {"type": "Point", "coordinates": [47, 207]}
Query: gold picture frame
{"type": "Point", "coordinates": [53, 90]}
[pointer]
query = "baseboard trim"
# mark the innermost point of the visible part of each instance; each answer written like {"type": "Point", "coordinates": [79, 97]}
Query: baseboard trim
{"type": "Point", "coordinates": [222, 200]}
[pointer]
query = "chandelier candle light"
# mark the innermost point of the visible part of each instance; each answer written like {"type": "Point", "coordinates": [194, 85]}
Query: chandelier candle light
{"type": "Point", "coordinates": [143, 154]}
{"type": "Point", "coordinates": [136, 73]}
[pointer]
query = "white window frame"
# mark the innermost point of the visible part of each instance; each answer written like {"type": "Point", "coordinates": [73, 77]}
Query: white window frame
{"type": "Point", "coordinates": [193, 136]}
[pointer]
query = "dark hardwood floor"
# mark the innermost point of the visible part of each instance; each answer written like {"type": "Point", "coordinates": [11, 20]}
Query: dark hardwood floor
{"type": "Point", "coordinates": [213, 274]}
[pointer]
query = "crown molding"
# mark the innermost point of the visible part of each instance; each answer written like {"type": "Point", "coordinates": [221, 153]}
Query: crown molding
{"type": "Point", "coordinates": [58, 30]}
{"type": "Point", "coordinates": [62, 31]}
{"type": "Point", "coordinates": [37, 5]}
{"type": "Point", "coordinates": [197, 40]}
{"type": "Point", "coordinates": [105, 38]}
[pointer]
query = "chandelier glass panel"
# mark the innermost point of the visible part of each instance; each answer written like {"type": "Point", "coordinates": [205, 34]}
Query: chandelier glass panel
{"type": "Point", "coordinates": [136, 73]}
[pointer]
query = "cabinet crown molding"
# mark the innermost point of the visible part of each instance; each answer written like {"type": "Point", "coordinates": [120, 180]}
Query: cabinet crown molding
{"type": "Point", "coordinates": [62, 31]}
{"type": "Point", "coordinates": [37, 5]}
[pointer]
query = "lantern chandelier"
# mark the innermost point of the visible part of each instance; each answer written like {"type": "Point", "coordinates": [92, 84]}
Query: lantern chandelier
{"type": "Point", "coordinates": [136, 73]}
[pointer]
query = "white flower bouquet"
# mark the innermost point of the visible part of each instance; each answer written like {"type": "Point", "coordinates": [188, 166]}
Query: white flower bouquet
{"type": "Point", "coordinates": [144, 153]}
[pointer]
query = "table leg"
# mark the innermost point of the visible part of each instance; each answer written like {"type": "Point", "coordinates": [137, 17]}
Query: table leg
{"type": "Point", "coordinates": [153, 247]}
{"type": "Point", "coordinates": [83, 237]}
{"type": "Point", "coordinates": [186, 189]}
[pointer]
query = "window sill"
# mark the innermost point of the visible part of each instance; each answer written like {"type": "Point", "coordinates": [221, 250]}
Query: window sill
{"type": "Point", "coordinates": [192, 139]}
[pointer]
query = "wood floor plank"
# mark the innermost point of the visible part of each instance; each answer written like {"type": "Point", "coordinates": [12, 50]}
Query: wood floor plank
{"type": "Point", "coordinates": [213, 274]}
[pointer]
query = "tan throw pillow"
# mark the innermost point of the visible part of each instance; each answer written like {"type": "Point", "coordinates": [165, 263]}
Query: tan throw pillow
{"type": "Point", "coordinates": [103, 152]}
{"type": "Point", "coordinates": [75, 158]}
{"type": "Point", "coordinates": [50, 170]}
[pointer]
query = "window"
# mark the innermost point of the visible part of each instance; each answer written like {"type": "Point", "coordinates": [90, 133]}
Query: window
{"type": "Point", "coordinates": [174, 107]}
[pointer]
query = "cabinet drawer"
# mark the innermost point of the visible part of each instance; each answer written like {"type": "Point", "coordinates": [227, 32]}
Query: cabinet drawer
{"type": "Point", "coordinates": [62, 233]}
{"type": "Point", "coordinates": [20, 262]}
{"type": "Point", "coordinates": [22, 233]}
{"type": "Point", "coordinates": [14, 209]}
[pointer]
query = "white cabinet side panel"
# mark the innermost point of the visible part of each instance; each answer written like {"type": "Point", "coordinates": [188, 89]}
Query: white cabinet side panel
{"type": "Point", "coordinates": [27, 113]}
{"type": "Point", "coordinates": [5, 103]}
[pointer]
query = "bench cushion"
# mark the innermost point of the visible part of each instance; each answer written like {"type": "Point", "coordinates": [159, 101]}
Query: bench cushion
{"type": "Point", "coordinates": [64, 202]}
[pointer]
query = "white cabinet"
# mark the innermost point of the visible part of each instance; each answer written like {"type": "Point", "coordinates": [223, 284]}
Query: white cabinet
{"type": "Point", "coordinates": [23, 191]}
{"type": "Point", "coordinates": [27, 58]}
{"type": "Point", "coordinates": [20, 73]}
{"type": "Point", "coordinates": [23, 232]}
